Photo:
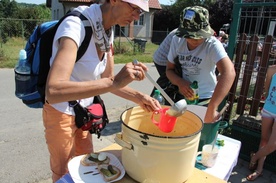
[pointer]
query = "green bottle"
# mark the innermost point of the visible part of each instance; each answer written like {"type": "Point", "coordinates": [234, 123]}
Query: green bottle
{"type": "Point", "coordinates": [159, 97]}
{"type": "Point", "coordinates": [194, 99]}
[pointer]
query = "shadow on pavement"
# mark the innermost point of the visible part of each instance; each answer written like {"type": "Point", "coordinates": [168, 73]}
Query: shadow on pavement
{"type": "Point", "coordinates": [112, 128]}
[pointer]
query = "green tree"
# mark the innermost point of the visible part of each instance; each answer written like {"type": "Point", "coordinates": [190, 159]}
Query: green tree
{"type": "Point", "coordinates": [168, 18]}
{"type": "Point", "coordinates": [220, 13]}
{"type": "Point", "coordinates": [8, 28]}
{"type": "Point", "coordinates": [8, 9]}
{"type": "Point", "coordinates": [179, 6]}
{"type": "Point", "coordinates": [163, 23]}
{"type": "Point", "coordinates": [11, 9]}
{"type": "Point", "coordinates": [37, 14]}
{"type": "Point", "coordinates": [163, 19]}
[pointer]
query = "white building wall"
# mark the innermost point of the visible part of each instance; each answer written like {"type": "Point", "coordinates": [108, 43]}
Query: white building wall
{"type": "Point", "coordinates": [144, 31]}
{"type": "Point", "coordinates": [57, 10]}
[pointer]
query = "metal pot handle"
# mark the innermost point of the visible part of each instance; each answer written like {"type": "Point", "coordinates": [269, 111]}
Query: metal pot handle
{"type": "Point", "coordinates": [223, 124]}
{"type": "Point", "coordinates": [119, 140]}
{"type": "Point", "coordinates": [199, 153]}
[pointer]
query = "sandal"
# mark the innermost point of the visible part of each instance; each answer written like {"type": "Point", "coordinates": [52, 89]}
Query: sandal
{"type": "Point", "coordinates": [254, 175]}
{"type": "Point", "coordinates": [252, 165]}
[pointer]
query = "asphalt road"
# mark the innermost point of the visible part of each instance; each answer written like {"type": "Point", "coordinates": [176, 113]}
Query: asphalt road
{"type": "Point", "coordinates": [23, 152]}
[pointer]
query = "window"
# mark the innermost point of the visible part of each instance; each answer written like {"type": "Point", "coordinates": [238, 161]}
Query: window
{"type": "Point", "coordinates": [140, 21]}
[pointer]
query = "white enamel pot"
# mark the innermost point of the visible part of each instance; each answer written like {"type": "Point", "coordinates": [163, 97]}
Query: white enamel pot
{"type": "Point", "coordinates": [150, 155]}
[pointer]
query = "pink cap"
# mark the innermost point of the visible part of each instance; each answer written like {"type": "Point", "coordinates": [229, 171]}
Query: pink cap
{"type": "Point", "coordinates": [143, 4]}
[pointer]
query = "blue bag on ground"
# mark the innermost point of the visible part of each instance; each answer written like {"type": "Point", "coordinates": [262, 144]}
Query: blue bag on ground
{"type": "Point", "coordinates": [30, 86]}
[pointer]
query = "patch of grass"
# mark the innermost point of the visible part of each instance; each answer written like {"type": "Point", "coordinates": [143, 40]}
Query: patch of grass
{"type": "Point", "coordinates": [124, 52]}
{"type": "Point", "coordinates": [9, 52]}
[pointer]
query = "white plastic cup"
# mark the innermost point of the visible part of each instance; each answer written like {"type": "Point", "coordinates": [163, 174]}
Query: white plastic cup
{"type": "Point", "coordinates": [208, 155]}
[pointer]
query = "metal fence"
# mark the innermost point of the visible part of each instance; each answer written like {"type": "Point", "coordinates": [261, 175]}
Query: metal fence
{"type": "Point", "coordinates": [252, 17]}
{"type": "Point", "coordinates": [255, 20]}
{"type": "Point", "coordinates": [252, 48]}
{"type": "Point", "coordinates": [21, 28]}
{"type": "Point", "coordinates": [24, 27]}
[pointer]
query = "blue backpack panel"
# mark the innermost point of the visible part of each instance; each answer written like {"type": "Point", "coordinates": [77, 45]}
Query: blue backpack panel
{"type": "Point", "coordinates": [39, 52]}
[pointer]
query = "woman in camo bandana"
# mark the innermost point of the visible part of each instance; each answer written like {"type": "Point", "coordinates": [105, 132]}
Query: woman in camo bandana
{"type": "Point", "coordinates": [200, 53]}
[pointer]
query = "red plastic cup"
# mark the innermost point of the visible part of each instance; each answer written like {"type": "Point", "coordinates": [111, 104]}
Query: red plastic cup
{"type": "Point", "coordinates": [166, 122]}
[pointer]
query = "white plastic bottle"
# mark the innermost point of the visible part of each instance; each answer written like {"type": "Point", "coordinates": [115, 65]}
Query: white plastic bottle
{"type": "Point", "coordinates": [22, 75]}
{"type": "Point", "coordinates": [159, 97]}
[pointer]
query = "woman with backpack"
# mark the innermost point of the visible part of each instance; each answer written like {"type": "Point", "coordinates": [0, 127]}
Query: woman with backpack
{"type": "Point", "coordinates": [92, 75]}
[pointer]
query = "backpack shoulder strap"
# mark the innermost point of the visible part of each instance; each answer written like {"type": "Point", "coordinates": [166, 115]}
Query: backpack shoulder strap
{"type": "Point", "coordinates": [45, 49]}
{"type": "Point", "coordinates": [88, 33]}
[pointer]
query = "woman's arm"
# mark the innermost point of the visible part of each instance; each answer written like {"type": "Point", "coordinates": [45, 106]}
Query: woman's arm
{"type": "Point", "coordinates": [145, 101]}
{"type": "Point", "coordinates": [59, 88]}
{"type": "Point", "coordinates": [226, 79]}
{"type": "Point", "coordinates": [183, 85]}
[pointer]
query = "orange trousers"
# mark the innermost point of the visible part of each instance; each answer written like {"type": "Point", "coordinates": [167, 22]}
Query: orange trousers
{"type": "Point", "coordinates": [64, 140]}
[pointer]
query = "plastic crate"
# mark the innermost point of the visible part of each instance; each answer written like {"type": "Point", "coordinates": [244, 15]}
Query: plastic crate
{"type": "Point", "coordinates": [249, 123]}
{"type": "Point", "coordinates": [250, 138]}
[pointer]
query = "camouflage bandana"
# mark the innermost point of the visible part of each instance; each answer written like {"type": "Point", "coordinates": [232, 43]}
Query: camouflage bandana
{"type": "Point", "coordinates": [194, 23]}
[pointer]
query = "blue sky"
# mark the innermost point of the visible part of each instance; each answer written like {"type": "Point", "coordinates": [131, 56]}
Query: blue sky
{"type": "Point", "coordinates": [167, 2]}
{"type": "Point", "coordinates": [44, 1]}
{"type": "Point", "coordinates": [31, 1]}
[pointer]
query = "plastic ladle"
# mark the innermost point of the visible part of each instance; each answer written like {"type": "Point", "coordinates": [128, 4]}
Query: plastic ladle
{"type": "Point", "coordinates": [220, 114]}
{"type": "Point", "coordinates": [178, 108]}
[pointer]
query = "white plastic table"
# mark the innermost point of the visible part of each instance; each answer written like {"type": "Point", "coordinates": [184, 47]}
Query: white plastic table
{"type": "Point", "coordinates": [227, 158]}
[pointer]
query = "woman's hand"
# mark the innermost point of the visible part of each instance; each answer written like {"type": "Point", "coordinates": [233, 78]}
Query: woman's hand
{"type": "Point", "coordinates": [148, 103]}
{"type": "Point", "coordinates": [183, 85]}
{"type": "Point", "coordinates": [185, 89]}
{"type": "Point", "coordinates": [129, 73]}
{"type": "Point", "coordinates": [211, 115]}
